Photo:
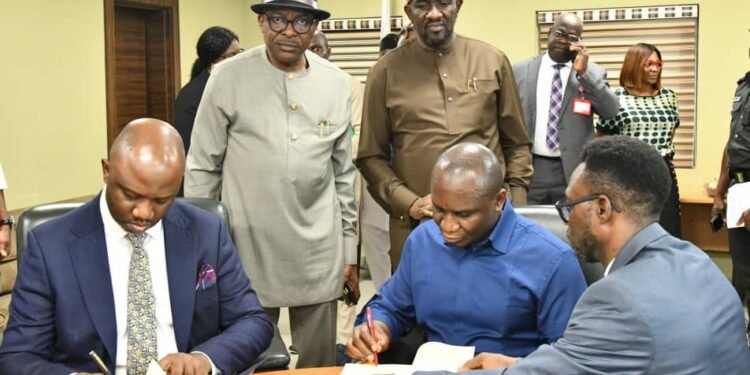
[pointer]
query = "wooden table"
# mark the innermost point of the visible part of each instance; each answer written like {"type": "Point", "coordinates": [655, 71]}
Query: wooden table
{"type": "Point", "coordinates": [308, 371]}
{"type": "Point", "coordinates": [696, 212]}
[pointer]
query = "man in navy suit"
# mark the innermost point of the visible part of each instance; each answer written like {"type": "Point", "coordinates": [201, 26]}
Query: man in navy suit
{"type": "Point", "coordinates": [134, 276]}
{"type": "Point", "coordinates": [663, 307]}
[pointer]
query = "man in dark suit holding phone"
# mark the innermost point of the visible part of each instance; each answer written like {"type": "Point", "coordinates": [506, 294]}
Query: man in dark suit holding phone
{"type": "Point", "coordinates": [560, 92]}
{"type": "Point", "coordinates": [135, 277]}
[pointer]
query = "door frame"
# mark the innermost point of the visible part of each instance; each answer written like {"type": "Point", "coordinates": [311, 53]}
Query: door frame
{"type": "Point", "coordinates": [171, 7]}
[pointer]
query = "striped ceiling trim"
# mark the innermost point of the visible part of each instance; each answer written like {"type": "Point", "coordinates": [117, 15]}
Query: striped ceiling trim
{"type": "Point", "coordinates": [624, 14]}
{"type": "Point", "coordinates": [359, 24]}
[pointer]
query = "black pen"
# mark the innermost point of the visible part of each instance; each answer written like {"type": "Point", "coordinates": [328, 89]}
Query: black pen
{"type": "Point", "coordinates": [99, 362]}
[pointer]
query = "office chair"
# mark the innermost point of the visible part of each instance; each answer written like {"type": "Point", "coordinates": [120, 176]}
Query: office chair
{"type": "Point", "coordinates": [547, 217]}
{"type": "Point", "coordinates": [276, 357]}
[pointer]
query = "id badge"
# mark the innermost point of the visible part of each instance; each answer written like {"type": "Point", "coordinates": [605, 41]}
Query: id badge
{"type": "Point", "coordinates": [582, 106]}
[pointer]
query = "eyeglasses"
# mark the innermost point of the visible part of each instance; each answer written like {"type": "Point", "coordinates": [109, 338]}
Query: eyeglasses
{"type": "Point", "coordinates": [651, 64]}
{"type": "Point", "coordinates": [300, 25]}
{"type": "Point", "coordinates": [564, 206]}
{"type": "Point", "coordinates": [572, 38]}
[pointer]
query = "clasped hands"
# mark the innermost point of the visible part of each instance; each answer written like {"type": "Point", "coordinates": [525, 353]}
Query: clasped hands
{"type": "Point", "coordinates": [421, 208]}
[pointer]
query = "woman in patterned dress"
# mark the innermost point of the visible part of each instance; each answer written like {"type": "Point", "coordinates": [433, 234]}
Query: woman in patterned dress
{"type": "Point", "coordinates": [650, 113]}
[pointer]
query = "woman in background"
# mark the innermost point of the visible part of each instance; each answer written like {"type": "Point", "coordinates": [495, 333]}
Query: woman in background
{"type": "Point", "coordinates": [214, 45]}
{"type": "Point", "coordinates": [650, 113]}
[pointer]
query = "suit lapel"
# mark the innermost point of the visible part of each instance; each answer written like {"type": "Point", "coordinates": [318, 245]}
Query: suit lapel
{"type": "Point", "coordinates": [532, 77]}
{"type": "Point", "coordinates": [88, 253]}
{"type": "Point", "coordinates": [182, 270]}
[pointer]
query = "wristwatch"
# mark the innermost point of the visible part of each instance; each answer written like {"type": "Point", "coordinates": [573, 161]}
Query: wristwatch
{"type": "Point", "coordinates": [9, 221]}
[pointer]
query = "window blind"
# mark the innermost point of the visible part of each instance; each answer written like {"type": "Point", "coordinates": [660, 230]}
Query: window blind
{"type": "Point", "coordinates": [608, 33]}
{"type": "Point", "coordinates": [355, 43]}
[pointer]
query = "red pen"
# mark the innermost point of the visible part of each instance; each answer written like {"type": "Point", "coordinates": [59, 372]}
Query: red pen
{"type": "Point", "coordinates": [371, 326]}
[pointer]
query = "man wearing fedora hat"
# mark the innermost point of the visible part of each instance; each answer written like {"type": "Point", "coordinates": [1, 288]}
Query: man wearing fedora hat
{"type": "Point", "coordinates": [272, 140]}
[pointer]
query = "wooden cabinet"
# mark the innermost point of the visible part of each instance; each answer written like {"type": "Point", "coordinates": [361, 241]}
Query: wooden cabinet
{"type": "Point", "coordinates": [696, 212]}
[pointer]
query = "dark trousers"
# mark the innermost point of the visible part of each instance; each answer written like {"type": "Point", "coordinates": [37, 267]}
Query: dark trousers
{"type": "Point", "coordinates": [548, 183]}
{"type": "Point", "coordinates": [671, 217]}
{"type": "Point", "coordinates": [739, 249]}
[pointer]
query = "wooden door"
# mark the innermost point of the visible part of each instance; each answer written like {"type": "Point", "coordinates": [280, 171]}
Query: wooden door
{"type": "Point", "coordinates": [142, 61]}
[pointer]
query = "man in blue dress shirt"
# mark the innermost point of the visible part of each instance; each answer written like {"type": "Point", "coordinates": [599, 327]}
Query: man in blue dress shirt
{"type": "Point", "coordinates": [478, 274]}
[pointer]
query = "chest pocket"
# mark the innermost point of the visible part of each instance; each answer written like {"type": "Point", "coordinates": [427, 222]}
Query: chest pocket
{"type": "Point", "coordinates": [741, 110]}
{"type": "Point", "coordinates": [479, 100]}
{"type": "Point", "coordinates": [738, 149]}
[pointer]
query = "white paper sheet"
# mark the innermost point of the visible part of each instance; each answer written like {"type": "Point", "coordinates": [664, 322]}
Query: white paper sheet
{"type": "Point", "coordinates": [154, 369]}
{"type": "Point", "coordinates": [738, 201]}
{"type": "Point", "coordinates": [431, 356]}
{"type": "Point", "coordinates": [363, 369]}
{"type": "Point", "coordinates": [436, 356]}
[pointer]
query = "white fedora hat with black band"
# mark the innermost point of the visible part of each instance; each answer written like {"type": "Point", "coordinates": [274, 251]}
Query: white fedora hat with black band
{"type": "Point", "coordinates": [309, 6]}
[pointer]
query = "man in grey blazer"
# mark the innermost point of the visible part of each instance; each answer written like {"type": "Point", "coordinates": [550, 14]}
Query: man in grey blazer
{"type": "Point", "coordinates": [663, 307]}
{"type": "Point", "coordinates": [560, 91]}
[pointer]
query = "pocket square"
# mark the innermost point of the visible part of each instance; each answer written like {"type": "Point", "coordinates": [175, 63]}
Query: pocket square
{"type": "Point", "coordinates": [206, 277]}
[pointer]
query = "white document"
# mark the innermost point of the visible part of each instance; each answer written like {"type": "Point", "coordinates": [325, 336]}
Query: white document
{"type": "Point", "coordinates": [364, 369]}
{"type": "Point", "coordinates": [154, 369]}
{"type": "Point", "coordinates": [431, 356]}
{"type": "Point", "coordinates": [738, 201]}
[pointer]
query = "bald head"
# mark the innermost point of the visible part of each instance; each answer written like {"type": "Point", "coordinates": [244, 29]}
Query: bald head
{"type": "Point", "coordinates": [151, 143]}
{"type": "Point", "coordinates": [470, 161]}
{"type": "Point", "coordinates": [143, 173]}
{"type": "Point", "coordinates": [319, 45]}
{"type": "Point", "coordinates": [467, 194]}
{"type": "Point", "coordinates": [570, 20]}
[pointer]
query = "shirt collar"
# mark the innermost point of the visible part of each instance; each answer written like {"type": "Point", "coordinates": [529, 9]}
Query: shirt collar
{"type": "Point", "coordinates": [609, 266]}
{"type": "Point", "coordinates": [499, 238]}
{"type": "Point", "coordinates": [113, 229]}
{"type": "Point", "coordinates": [547, 61]}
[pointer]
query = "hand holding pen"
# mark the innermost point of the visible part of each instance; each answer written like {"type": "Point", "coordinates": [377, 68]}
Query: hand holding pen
{"type": "Point", "coordinates": [371, 329]}
{"type": "Point", "coordinates": [365, 343]}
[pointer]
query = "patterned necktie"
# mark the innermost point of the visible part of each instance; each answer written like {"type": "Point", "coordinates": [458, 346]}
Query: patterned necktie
{"type": "Point", "coordinates": [141, 309]}
{"type": "Point", "coordinates": [555, 103]}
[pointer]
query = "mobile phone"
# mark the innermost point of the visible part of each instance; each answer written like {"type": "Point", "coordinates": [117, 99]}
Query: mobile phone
{"type": "Point", "coordinates": [349, 297]}
{"type": "Point", "coordinates": [716, 223]}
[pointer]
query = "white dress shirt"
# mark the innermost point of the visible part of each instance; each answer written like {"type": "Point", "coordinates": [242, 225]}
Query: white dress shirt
{"type": "Point", "coordinates": [543, 90]}
{"type": "Point", "coordinates": [118, 253]}
{"type": "Point", "coordinates": [609, 266]}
